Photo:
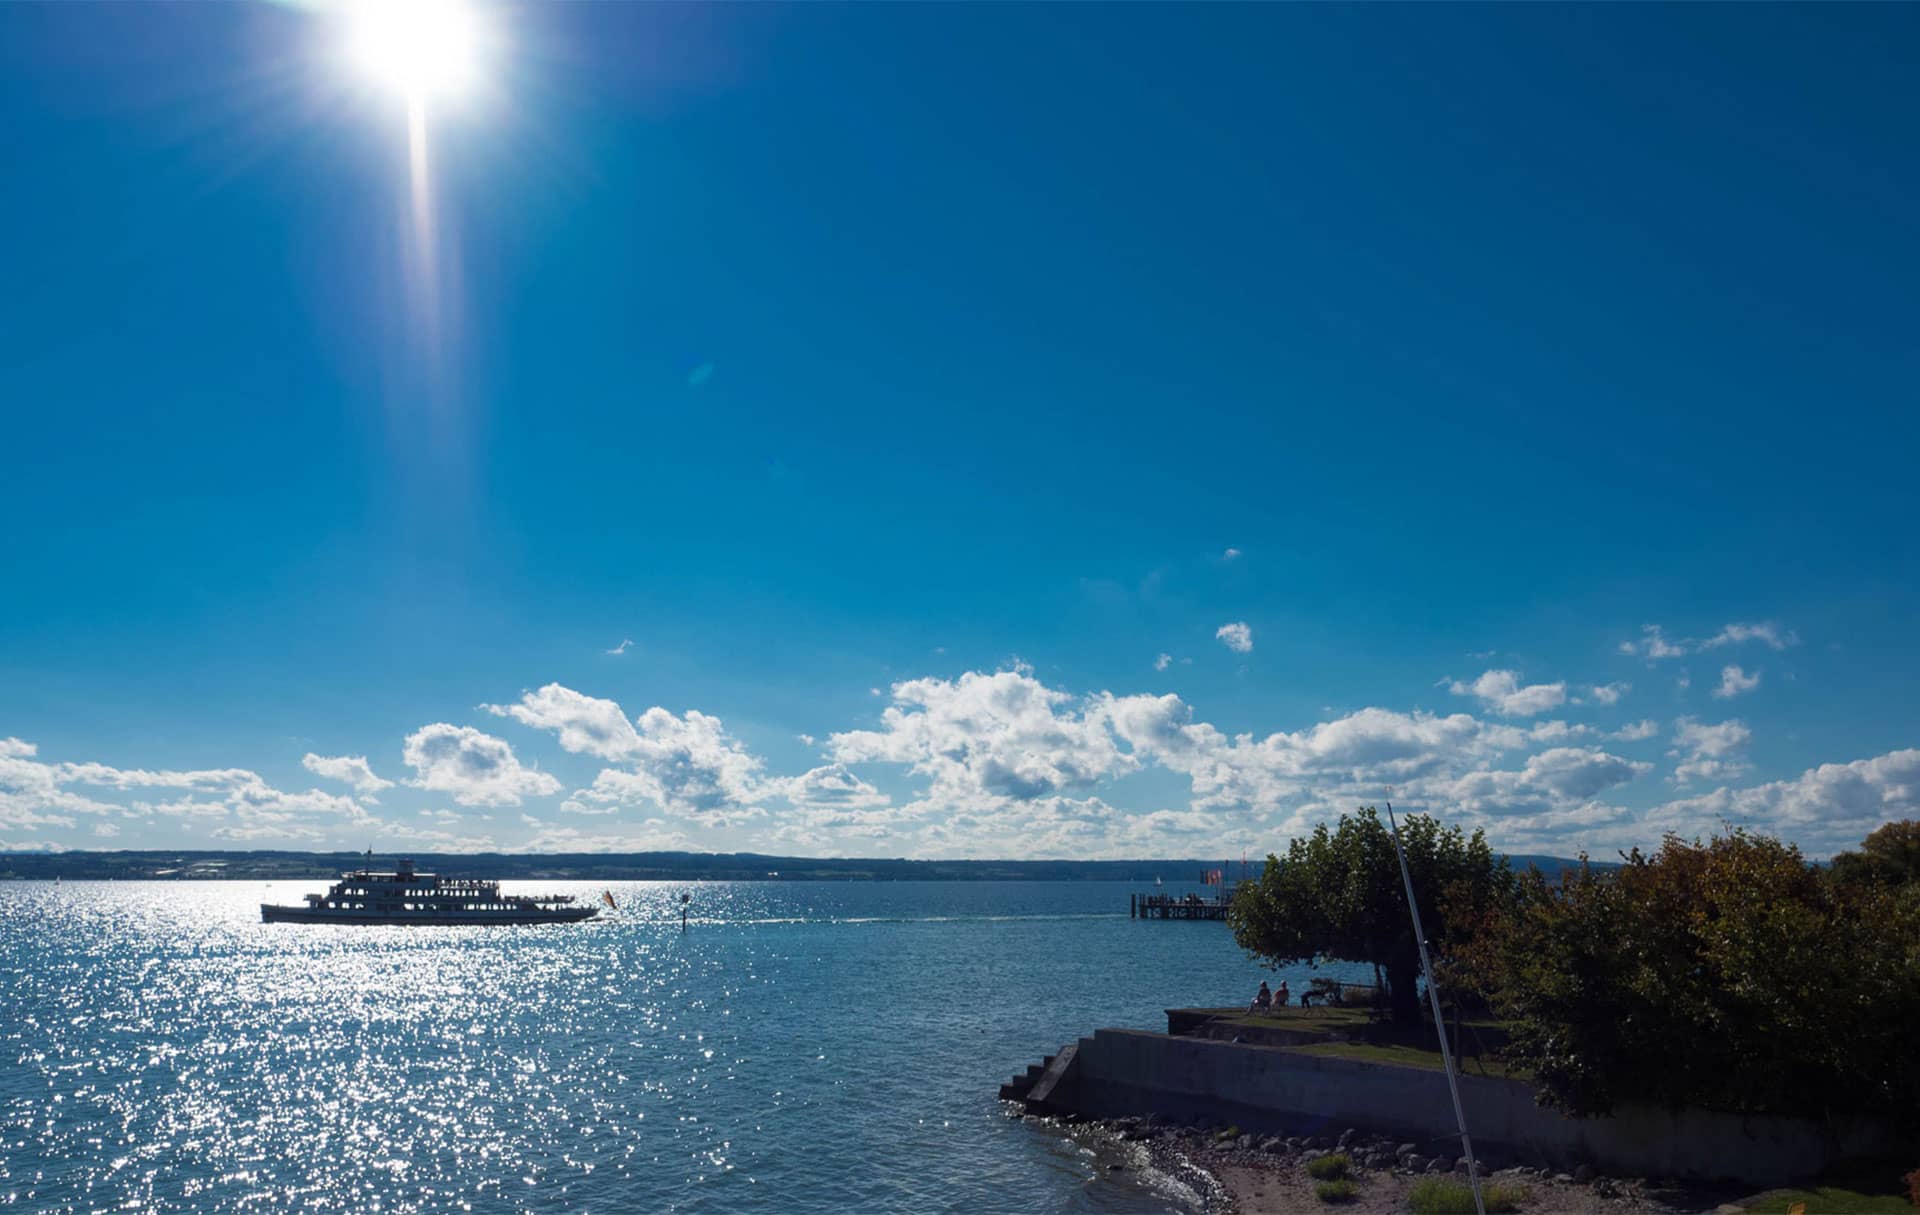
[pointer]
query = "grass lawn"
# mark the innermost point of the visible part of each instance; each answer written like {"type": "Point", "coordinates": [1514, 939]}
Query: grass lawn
{"type": "Point", "coordinates": [1412, 1056]}
{"type": "Point", "coordinates": [1293, 1017]}
{"type": "Point", "coordinates": [1831, 1200]}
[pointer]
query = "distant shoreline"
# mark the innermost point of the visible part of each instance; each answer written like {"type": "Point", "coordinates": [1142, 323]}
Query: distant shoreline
{"type": "Point", "coordinates": [199, 865]}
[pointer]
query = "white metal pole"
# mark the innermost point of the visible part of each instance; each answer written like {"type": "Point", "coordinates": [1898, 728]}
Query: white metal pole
{"type": "Point", "coordinates": [1439, 1025]}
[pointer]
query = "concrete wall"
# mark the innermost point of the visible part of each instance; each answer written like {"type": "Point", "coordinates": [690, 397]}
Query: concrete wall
{"type": "Point", "coordinates": [1118, 1072]}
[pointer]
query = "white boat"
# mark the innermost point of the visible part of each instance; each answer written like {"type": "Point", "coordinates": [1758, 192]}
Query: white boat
{"type": "Point", "coordinates": [407, 897]}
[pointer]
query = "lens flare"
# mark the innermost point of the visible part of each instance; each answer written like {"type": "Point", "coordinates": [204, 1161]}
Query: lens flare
{"type": "Point", "coordinates": [420, 49]}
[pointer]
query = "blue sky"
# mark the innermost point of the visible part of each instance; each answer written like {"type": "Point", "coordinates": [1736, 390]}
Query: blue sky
{"type": "Point", "coordinates": [902, 383]}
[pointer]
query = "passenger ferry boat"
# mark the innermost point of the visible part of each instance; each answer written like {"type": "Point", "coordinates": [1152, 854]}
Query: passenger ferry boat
{"type": "Point", "coordinates": [407, 897]}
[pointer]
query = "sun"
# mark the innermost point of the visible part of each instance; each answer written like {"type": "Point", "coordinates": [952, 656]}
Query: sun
{"type": "Point", "coordinates": [420, 49]}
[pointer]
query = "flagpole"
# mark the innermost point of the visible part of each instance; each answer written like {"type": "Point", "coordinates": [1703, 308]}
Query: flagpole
{"type": "Point", "coordinates": [1439, 1024]}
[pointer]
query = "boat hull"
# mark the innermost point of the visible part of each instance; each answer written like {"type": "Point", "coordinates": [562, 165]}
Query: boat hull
{"type": "Point", "coordinates": [271, 913]}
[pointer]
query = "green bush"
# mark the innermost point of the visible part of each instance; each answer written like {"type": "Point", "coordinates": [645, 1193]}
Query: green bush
{"type": "Point", "coordinates": [1340, 1190]}
{"type": "Point", "coordinates": [1436, 1197]}
{"type": "Point", "coordinates": [1329, 1168]}
{"type": "Point", "coordinates": [1810, 985]}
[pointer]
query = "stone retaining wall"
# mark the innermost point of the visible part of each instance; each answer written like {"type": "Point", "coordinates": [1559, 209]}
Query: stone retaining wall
{"type": "Point", "coordinates": [1121, 1072]}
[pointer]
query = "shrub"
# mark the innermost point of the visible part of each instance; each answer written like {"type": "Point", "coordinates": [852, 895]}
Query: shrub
{"type": "Point", "coordinates": [1436, 1197]}
{"type": "Point", "coordinates": [1329, 1168]}
{"type": "Point", "coordinates": [1340, 1190]}
{"type": "Point", "coordinates": [1729, 974]}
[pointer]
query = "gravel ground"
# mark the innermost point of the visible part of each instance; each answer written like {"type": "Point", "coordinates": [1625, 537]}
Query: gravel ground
{"type": "Point", "coordinates": [1266, 1175]}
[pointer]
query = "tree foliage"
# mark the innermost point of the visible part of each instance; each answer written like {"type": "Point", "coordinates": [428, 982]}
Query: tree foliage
{"type": "Point", "coordinates": [1890, 856]}
{"type": "Point", "coordinates": [1730, 974]}
{"type": "Point", "coordinates": [1338, 894]}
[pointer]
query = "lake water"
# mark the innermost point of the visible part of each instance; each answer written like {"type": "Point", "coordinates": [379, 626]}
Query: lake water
{"type": "Point", "coordinates": [803, 1047]}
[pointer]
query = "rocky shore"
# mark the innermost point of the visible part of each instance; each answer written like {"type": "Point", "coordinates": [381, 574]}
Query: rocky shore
{"type": "Point", "coordinates": [1232, 1173]}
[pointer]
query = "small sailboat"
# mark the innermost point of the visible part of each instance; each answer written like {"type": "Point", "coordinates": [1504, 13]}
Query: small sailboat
{"type": "Point", "coordinates": [606, 896]}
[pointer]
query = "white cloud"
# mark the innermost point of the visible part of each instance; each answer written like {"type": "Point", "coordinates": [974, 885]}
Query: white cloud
{"type": "Point", "coordinates": [1825, 809]}
{"type": "Point", "coordinates": [15, 748]}
{"type": "Point", "coordinates": [1162, 662]}
{"type": "Point", "coordinates": [1638, 731]}
{"type": "Point", "coordinates": [1734, 681]}
{"type": "Point", "coordinates": [475, 769]}
{"type": "Point", "coordinates": [586, 724]}
{"type": "Point", "coordinates": [1709, 752]}
{"type": "Point", "coordinates": [348, 770]}
{"type": "Point", "coordinates": [1549, 788]}
{"type": "Point", "coordinates": [1003, 735]}
{"type": "Point", "coordinates": [654, 836]}
{"type": "Point", "coordinates": [623, 647]}
{"type": "Point", "coordinates": [1557, 732]}
{"type": "Point", "coordinates": [32, 795]}
{"type": "Point", "coordinates": [1653, 644]}
{"type": "Point", "coordinates": [686, 765]}
{"type": "Point", "coordinates": [832, 785]}
{"type": "Point", "coordinates": [1610, 693]}
{"type": "Point", "coordinates": [1502, 692]}
{"type": "Point", "coordinates": [1236, 636]}
{"type": "Point", "coordinates": [437, 839]}
{"type": "Point", "coordinates": [1766, 632]}
{"type": "Point", "coordinates": [1232, 554]}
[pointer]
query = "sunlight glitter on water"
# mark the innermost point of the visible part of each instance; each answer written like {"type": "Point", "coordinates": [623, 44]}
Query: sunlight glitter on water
{"type": "Point", "coordinates": [810, 1047]}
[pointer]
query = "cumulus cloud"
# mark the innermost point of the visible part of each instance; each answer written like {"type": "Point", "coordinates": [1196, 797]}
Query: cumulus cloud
{"type": "Point", "coordinates": [34, 794]}
{"type": "Point", "coordinates": [15, 748]}
{"type": "Point", "coordinates": [586, 725]}
{"type": "Point", "coordinates": [1734, 681]}
{"type": "Point", "coordinates": [1232, 554]}
{"type": "Point", "coordinates": [1236, 636]}
{"type": "Point", "coordinates": [1012, 761]}
{"type": "Point", "coordinates": [1610, 693]}
{"type": "Point", "coordinates": [1502, 692]}
{"type": "Point", "coordinates": [1766, 632]}
{"type": "Point", "coordinates": [1825, 809]}
{"type": "Point", "coordinates": [348, 770]}
{"type": "Point", "coordinates": [475, 769]}
{"type": "Point", "coordinates": [687, 764]}
{"type": "Point", "coordinates": [1554, 782]}
{"type": "Point", "coordinates": [1709, 752]}
{"type": "Point", "coordinates": [653, 835]}
{"type": "Point", "coordinates": [1654, 645]}
{"type": "Point", "coordinates": [30, 792]}
{"type": "Point", "coordinates": [1638, 731]}
{"type": "Point", "coordinates": [1000, 735]}
{"type": "Point", "coordinates": [1557, 732]}
{"type": "Point", "coordinates": [622, 648]}
{"type": "Point", "coordinates": [835, 786]}
{"type": "Point", "coordinates": [1162, 662]}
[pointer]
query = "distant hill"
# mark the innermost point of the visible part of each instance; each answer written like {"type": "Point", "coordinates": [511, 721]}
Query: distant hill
{"type": "Point", "coordinates": [630, 866]}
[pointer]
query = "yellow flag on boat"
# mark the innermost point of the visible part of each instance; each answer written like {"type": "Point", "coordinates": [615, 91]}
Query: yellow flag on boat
{"type": "Point", "coordinates": [606, 896]}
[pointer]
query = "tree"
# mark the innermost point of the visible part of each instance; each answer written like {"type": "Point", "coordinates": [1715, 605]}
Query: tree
{"type": "Point", "coordinates": [1729, 974]}
{"type": "Point", "coordinates": [1338, 894]}
{"type": "Point", "coordinates": [1889, 855]}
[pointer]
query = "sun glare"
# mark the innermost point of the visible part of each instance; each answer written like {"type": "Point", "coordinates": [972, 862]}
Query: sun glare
{"type": "Point", "coordinates": [421, 49]}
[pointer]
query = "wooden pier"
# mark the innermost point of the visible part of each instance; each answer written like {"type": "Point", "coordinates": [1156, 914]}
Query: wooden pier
{"type": "Point", "coordinates": [1176, 907]}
